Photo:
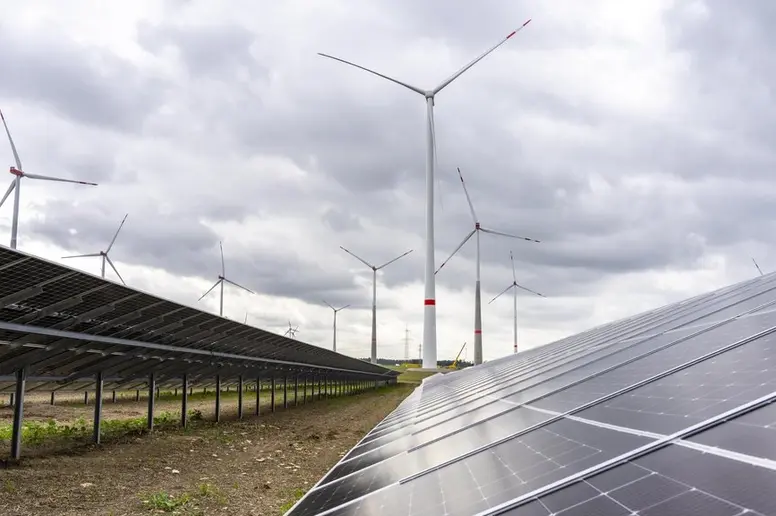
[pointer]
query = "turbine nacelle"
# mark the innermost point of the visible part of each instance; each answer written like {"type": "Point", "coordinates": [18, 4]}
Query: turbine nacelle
{"type": "Point", "coordinates": [15, 171]}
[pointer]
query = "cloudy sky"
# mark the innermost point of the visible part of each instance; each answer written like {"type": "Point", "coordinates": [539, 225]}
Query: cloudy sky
{"type": "Point", "coordinates": [634, 139]}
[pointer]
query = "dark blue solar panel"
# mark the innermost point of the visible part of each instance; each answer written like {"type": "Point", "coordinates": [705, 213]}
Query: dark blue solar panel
{"type": "Point", "coordinates": [753, 434]}
{"type": "Point", "coordinates": [656, 363]}
{"type": "Point", "coordinates": [696, 393]}
{"type": "Point", "coordinates": [498, 474]}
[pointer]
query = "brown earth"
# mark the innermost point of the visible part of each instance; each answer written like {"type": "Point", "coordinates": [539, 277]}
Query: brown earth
{"type": "Point", "coordinates": [256, 466]}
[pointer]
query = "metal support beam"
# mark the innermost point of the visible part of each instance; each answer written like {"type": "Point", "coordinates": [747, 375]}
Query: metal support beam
{"type": "Point", "coordinates": [319, 387]}
{"type": "Point", "coordinates": [239, 397]}
{"type": "Point", "coordinates": [114, 396]}
{"type": "Point", "coordinates": [218, 398]}
{"type": "Point", "coordinates": [52, 397]}
{"type": "Point", "coordinates": [98, 407]}
{"type": "Point", "coordinates": [272, 396]}
{"type": "Point", "coordinates": [151, 389]}
{"type": "Point", "coordinates": [185, 400]}
{"type": "Point", "coordinates": [304, 391]}
{"type": "Point", "coordinates": [18, 414]}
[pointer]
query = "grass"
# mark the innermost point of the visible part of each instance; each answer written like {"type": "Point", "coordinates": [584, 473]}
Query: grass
{"type": "Point", "coordinates": [298, 493]}
{"type": "Point", "coordinates": [165, 502]}
{"type": "Point", "coordinates": [36, 432]}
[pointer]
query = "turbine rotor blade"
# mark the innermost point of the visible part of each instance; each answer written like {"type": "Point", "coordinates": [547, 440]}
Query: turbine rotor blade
{"type": "Point", "coordinates": [223, 264]}
{"type": "Point", "coordinates": [466, 239]}
{"type": "Point", "coordinates": [8, 192]}
{"type": "Point", "coordinates": [90, 255]}
{"type": "Point", "coordinates": [358, 258]}
{"type": "Point", "coordinates": [501, 233]}
{"type": "Point", "coordinates": [59, 179]}
{"type": "Point", "coordinates": [110, 262]}
{"type": "Point", "coordinates": [400, 83]}
{"type": "Point", "coordinates": [342, 308]}
{"type": "Point", "coordinates": [528, 290]}
{"type": "Point", "coordinates": [13, 145]}
{"type": "Point", "coordinates": [117, 233]}
{"type": "Point", "coordinates": [512, 259]}
{"type": "Point", "coordinates": [209, 290]}
{"type": "Point", "coordinates": [477, 60]}
{"type": "Point", "coordinates": [386, 264]}
{"type": "Point", "coordinates": [501, 293]}
{"type": "Point", "coordinates": [239, 286]}
{"type": "Point", "coordinates": [753, 260]}
{"type": "Point", "coordinates": [327, 304]}
{"type": "Point", "coordinates": [468, 199]}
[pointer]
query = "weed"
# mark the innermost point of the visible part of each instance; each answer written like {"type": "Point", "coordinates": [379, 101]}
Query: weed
{"type": "Point", "coordinates": [211, 491]}
{"type": "Point", "coordinates": [166, 502]}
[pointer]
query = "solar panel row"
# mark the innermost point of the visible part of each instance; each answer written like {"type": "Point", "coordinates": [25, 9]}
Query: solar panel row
{"type": "Point", "coordinates": [668, 412]}
{"type": "Point", "coordinates": [65, 326]}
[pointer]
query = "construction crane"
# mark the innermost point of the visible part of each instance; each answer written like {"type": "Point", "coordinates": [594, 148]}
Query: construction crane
{"type": "Point", "coordinates": [454, 365]}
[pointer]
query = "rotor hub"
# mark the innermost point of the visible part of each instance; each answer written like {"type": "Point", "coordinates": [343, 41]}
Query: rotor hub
{"type": "Point", "coordinates": [15, 171]}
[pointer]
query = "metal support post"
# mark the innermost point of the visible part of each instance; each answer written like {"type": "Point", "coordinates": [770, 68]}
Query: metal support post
{"type": "Point", "coordinates": [52, 397]}
{"type": "Point", "coordinates": [239, 397]}
{"type": "Point", "coordinates": [258, 394]}
{"type": "Point", "coordinates": [18, 414]}
{"type": "Point", "coordinates": [218, 398]}
{"type": "Point", "coordinates": [285, 391]}
{"type": "Point", "coordinates": [97, 407]}
{"type": "Point", "coordinates": [272, 395]}
{"type": "Point", "coordinates": [296, 390]}
{"type": "Point", "coordinates": [185, 400]}
{"type": "Point", "coordinates": [151, 389]}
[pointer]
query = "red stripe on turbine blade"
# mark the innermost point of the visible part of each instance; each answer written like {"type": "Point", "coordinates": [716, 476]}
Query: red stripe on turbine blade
{"type": "Point", "coordinates": [526, 23]}
{"type": "Point", "coordinates": [510, 35]}
{"type": "Point", "coordinates": [429, 302]}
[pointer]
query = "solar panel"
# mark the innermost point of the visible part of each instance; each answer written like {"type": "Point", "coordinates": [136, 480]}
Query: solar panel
{"type": "Point", "coordinates": [645, 415]}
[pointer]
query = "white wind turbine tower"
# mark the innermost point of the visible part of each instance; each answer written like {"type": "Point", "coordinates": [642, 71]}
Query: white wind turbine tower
{"type": "Point", "coordinates": [221, 280]}
{"type": "Point", "coordinates": [429, 310]}
{"type": "Point", "coordinates": [334, 342]}
{"type": "Point", "coordinates": [515, 286]}
{"type": "Point", "coordinates": [373, 358]}
{"type": "Point", "coordinates": [104, 254]}
{"type": "Point", "coordinates": [291, 331]}
{"type": "Point", "coordinates": [477, 292]}
{"type": "Point", "coordinates": [16, 183]}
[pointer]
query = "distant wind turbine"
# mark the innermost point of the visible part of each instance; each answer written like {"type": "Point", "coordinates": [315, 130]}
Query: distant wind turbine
{"type": "Point", "coordinates": [221, 280]}
{"type": "Point", "coordinates": [477, 292]}
{"type": "Point", "coordinates": [429, 302]}
{"type": "Point", "coordinates": [515, 286]}
{"type": "Point", "coordinates": [16, 184]}
{"type": "Point", "coordinates": [334, 342]}
{"type": "Point", "coordinates": [104, 254]}
{"type": "Point", "coordinates": [758, 267]}
{"type": "Point", "coordinates": [291, 331]}
{"type": "Point", "coordinates": [373, 358]}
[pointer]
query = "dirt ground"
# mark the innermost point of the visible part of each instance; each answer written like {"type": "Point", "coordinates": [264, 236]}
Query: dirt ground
{"type": "Point", "coordinates": [257, 466]}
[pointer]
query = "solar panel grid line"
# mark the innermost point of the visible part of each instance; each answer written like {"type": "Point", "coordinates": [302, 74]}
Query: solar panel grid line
{"type": "Point", "coordinates": [161, 347]}
{"type": "Point", "coordinates": [628, 456]}
{"type": "Point", "coordinates": [589, 404]}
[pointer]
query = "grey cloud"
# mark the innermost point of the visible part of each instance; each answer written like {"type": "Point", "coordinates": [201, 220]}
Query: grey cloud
{"type": "Point", "coordinates": [86, 84]}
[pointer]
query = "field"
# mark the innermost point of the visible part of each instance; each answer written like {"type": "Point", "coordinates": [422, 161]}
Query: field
{"type": "Point", "coordinates": [411, 375]}
{"type": "Point", "coordinates": [256, 466]}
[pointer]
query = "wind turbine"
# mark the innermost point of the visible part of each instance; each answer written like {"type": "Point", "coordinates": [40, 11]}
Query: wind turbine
{"type": "Point", "coordinates": [429, 302]}
{"type": "Point", "coordinates": [515, 286]}
{"type": "Point", "coordinates": [16, 183]}
{"type": "Point", "coordinates": [477, 292]}
{"type": "Point", "coordinates": [221, 280]}
{"type": "Point", "coordinates": [373, 358]}
{"type": "Point", "coordinates": [291, 331]}
{"type": "Point", "coordinates": [104, 254]}
{"type": "Point", "coordinates": [758, 267]}
{"type": "Point", "coordinates": [334, 342]}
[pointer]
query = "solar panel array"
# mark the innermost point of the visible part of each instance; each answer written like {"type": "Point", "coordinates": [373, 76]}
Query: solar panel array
{"type": "Point", "coordinates": [666, 413]}
{"type": "Point", "coordinates": [64, 326]}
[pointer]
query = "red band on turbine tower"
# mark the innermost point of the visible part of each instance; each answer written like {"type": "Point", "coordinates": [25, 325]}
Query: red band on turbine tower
{"type": "Point", "coordinates": [430, 302]}
{"type": "Point", "coordinates": [477, 332]}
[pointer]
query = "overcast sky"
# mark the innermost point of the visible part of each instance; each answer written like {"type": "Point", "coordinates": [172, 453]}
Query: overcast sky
{"type": "Point", "coordinates": [634, 139]}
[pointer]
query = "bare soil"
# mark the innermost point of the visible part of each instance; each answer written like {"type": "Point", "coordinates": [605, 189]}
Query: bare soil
{"type": "Point", "coordinates": [256, 466]}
